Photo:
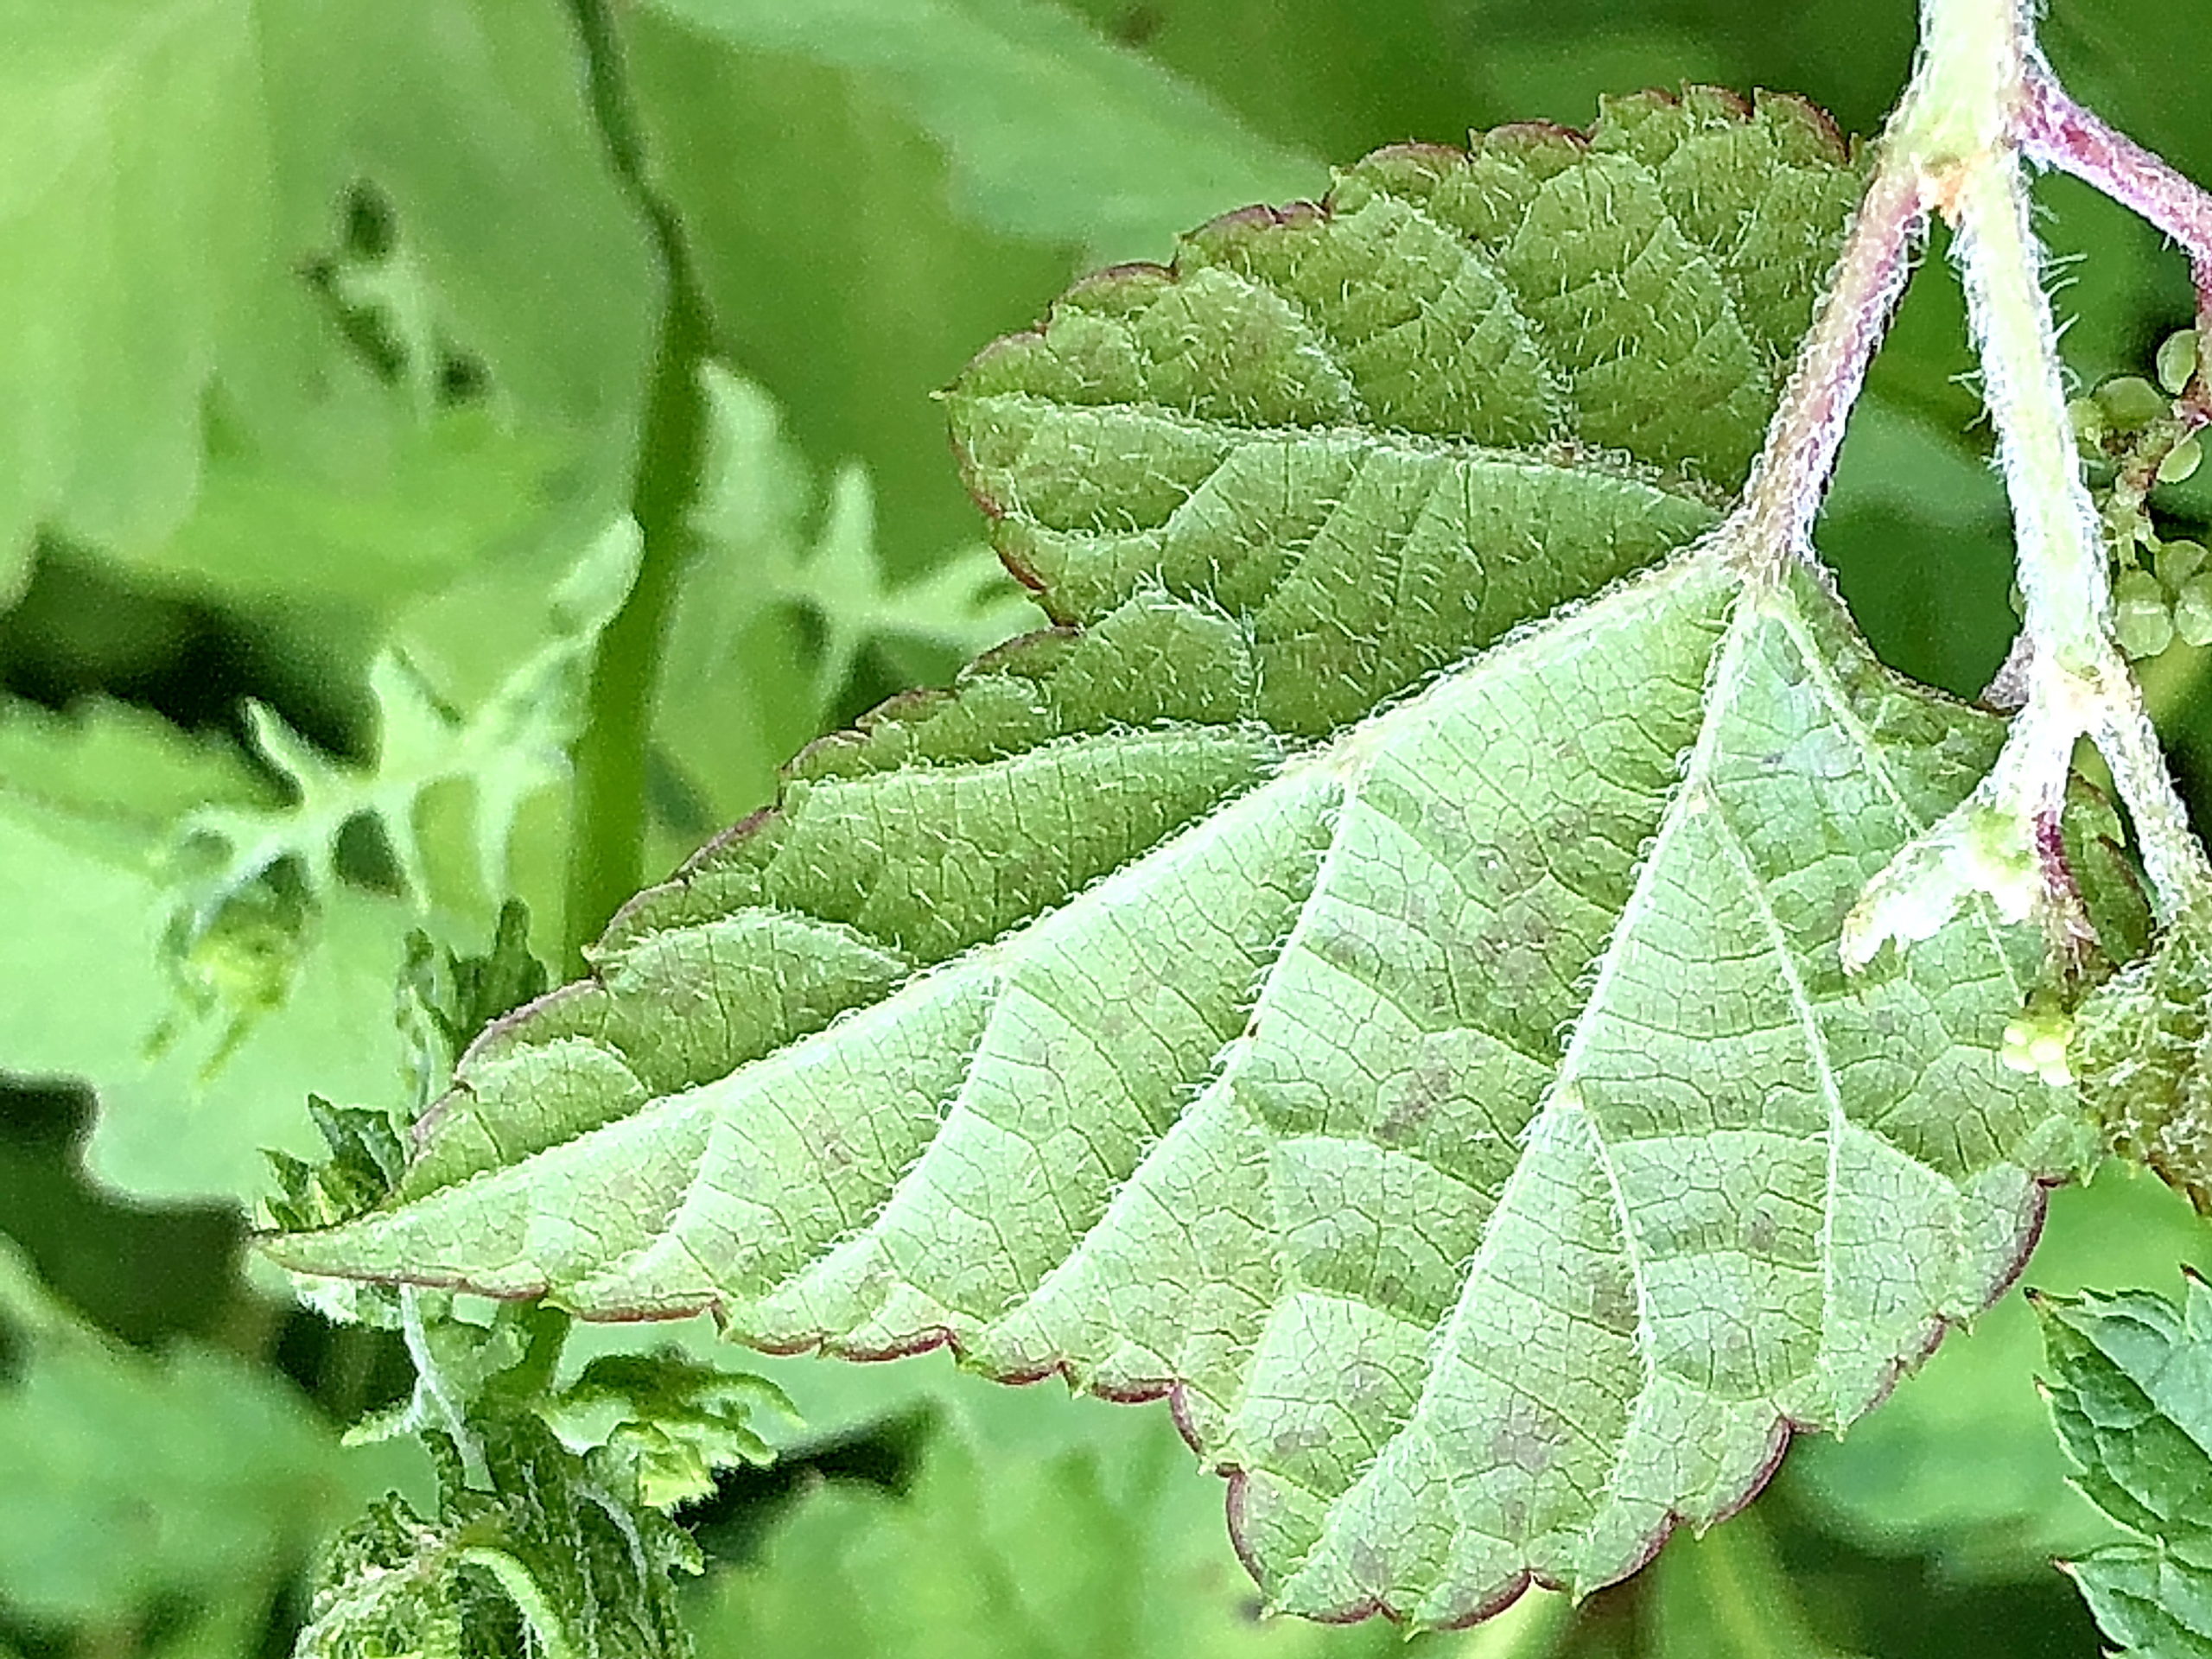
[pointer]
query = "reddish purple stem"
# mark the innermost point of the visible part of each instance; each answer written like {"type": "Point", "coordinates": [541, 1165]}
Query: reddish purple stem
{"type": "Point", "coordinates": [2060, 133]}
{"type": "Point", "coordinates": [1793, 470]}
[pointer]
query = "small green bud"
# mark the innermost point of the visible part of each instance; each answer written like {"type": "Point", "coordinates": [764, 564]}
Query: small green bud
{"type": "Point", "coordinates": [2141, 615]}
{"type": "Point", "coordinates": [2035, 1042]}
{"type": "Point", "coordinates": [2177, 360]}
{"type": "Point", "coordinates": [2177, 561]}
{"type": "Point", "coordinates": [2131, 402]}
{"type": "Point", "coordinates": [2193, 610]}
{"type": "Point", "coordinates": [2090, 426]}
{"type": "Point", "coordinates": [2181, 461]}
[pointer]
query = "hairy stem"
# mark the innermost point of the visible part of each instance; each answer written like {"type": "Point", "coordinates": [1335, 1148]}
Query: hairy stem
{"type": "Point", "coordinates": [608, 827]}
{"type": "Point", "coordinates": [1980, 92]}
{"type": "Point", "coordinates": [2077, 683]}
{"type": "Point", "coordinates": [2058, 132]}
{"type": "Point", "coordinates": [1799, 456]}
{"type": "Point", "coordinates": [433, 1387]}
{"type": "Point", "coordinates": [2065, 573]}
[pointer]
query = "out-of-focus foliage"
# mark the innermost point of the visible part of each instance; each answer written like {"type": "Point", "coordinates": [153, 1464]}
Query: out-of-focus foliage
{"type": "Point", "coordinates": [1032, 1525]}
{"type": "Point", "coordinates": [133, 1481]}
{"type": "Point", "coordinates": [326, 332]}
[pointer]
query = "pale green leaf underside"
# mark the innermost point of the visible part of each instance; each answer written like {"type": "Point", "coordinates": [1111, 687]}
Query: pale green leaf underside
{"type": "Point", "coordinates": [1410, 1037]}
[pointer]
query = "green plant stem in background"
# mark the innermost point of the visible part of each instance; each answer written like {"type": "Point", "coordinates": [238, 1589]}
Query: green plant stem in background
{"type": "Point", "coordinates": [608, 832]}
{"type": "Point", "coordinates": [1725, 1595]}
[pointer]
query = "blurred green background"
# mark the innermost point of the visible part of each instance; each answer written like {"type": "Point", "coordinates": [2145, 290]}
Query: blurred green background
{"type": "Point", "coordinates": [344, 346]}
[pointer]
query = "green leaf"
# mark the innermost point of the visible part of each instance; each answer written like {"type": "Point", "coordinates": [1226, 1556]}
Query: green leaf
{"type": "Point", "coordinates": [443, 106]}
{"type": "Point", "coordinates": [2131, 1383]}
{"type": "Point", "coordinates": [1375, 980]}
{"type": "Point", "coordinates": [445, 999]}
{"type": "Point", "coordinates": [2142, 1050]}
{"type": "Point", "coordinates": [748, 143]}
{"type": "Point", "coordinates": [674, 1421]}
{"type": "Point", "coordinates": [89, 804]}
{"type": "Point", "coordinates": [1033, 1528]}
{"type": "Point", "coordinates": [365, 1162]}
{"type": "Point", "coordinates": [547, 1559]}
{"type": "Point", "coordinates": [177, 164]}
{"type": "Point", "coordinates": [133, 1481]}
{"type": "Point", "coordinates": [226, 999]}
{"type": "Point", "coordinates": [1051, 132]}
{"type": "Point", "coordinates": [137, 198]}
{"type": "Point", "coordinates": [512, 745]}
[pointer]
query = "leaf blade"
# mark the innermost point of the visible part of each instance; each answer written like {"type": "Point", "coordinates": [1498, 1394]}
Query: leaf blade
{"type": "Point", "coordinates": [2126, 1398]}
{"type": "Point", "coordinates": [1177, 1002]}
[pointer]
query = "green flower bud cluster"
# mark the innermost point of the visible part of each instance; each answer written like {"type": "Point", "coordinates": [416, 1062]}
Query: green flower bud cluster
{"type": "Point", "coordinates": [2037, 1039]}
{"type": "Point", "coordinates": [2162, 590]}
{"type": "Point", "coordinates": [2168, 596]}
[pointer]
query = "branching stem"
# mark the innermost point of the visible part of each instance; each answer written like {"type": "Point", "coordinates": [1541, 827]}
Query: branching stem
{"type": "Point", "coordinates": [1982, 104]}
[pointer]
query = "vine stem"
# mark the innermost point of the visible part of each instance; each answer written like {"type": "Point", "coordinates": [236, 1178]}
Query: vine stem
{"type": "Point", "coordinates": [1799, 453]}
{"type": "Point", "coordinates": [2059, 133]}
{"type": "Point", "coordinates": [608, 827]}
{"type": "Point", "coordinates": [2077, 681]}
{"type": "Point", "coordinates": [1982, 103]}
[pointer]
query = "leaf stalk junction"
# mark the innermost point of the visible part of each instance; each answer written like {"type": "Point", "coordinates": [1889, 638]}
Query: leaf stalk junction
{"type": "Point", "coordinates": [1982, 105]}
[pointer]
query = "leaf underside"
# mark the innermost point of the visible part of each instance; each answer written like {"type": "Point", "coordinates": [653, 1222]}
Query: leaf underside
{"type": "Point", "coordinates": [1371, 974]}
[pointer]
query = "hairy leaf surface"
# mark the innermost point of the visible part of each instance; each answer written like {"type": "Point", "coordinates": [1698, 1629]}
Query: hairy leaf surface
{"type": "Point", "coordinates": [1372, 977]}
{"type": "Point", "coordinates": [2141, 1047]}
{"type": "Point", "coordinates": [543, 1555]}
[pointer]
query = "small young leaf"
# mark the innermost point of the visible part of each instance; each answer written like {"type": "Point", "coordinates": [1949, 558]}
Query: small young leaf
{"type": "Point", "coordinates": [2142, 1051]}
{"type": "Point", "coordinates": [2131, 1393]}
{"type": "Point", "coordinates": [364, 1164]}
{"type": "Point", "coordinates": [446, 998]}
{"type": "Point", "coordinates": [673, 1419]}
{"type": "Point", "coordinates": [549, 1559]}
{"type": "Point", "coordinates": [1375, 980]}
